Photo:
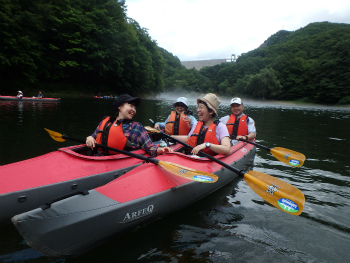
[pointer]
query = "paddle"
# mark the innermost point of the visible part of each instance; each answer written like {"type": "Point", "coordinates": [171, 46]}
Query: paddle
{"type": "Point", "coordinates": [284, 155]}
{"type": "Point", "coordinates": [280, 194]}
{"type": "Point", "coordinates": [173, 168]}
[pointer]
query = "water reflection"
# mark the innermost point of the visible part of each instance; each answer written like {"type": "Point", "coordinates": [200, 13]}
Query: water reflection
{"type": "Point", "coordinates": [233, 224]}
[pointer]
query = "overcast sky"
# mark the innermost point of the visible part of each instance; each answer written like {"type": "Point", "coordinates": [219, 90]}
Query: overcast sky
{"type": "Point", "coordinates": [203, 29]}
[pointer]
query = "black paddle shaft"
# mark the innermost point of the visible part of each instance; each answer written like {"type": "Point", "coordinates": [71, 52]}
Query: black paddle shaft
{"type": "Point", "coordinates": [258, 145]}
{"type": "Point", "coordinates": [138, 156]}
{"type": "Point", "coordinates": [233, 169]}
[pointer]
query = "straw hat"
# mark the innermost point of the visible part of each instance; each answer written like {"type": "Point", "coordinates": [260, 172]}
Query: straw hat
{"type": "Point", "coordinates": [211, 100]}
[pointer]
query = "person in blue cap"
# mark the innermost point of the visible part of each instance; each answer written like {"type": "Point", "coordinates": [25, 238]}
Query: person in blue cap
{"type": "Point", "coordinates": [180, 121]}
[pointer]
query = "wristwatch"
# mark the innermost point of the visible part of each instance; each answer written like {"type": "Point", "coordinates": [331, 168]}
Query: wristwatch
{"type": "Point", "coordinates": [207, 145]}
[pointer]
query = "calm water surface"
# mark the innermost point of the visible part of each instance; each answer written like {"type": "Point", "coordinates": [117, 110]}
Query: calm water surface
{"type": "Point", "coordinates": [231, 225]}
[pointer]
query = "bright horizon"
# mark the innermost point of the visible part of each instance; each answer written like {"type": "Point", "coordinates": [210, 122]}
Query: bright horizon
{"type": "Point", "coordinates": [205, 30]}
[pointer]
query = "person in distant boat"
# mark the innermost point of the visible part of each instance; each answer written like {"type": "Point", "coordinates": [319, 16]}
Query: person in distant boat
{"type": "Point", "coordinates": [20, 94]}
{"type": "Point", "coordinates": [239, 125]}
{"type": "Point", "coordinates": [208, 135]}
{"type": "Point", "coordinates": [121, 132]}
{"type": "Point", "coordinates": [180, 121]}
{"type": "Point", "coordinates": [40, 95]}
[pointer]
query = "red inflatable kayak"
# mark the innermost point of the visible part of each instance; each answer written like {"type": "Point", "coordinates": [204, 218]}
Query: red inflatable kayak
{"type": "Point", "coordinates": [28, 184]}
{"type": "Point", "coordinates": [74, 225]}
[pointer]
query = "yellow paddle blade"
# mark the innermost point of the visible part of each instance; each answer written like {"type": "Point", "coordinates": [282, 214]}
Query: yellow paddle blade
{"type": "Point", "coordinates": [287, 156]}
{"type": "Point", "coordinates": [150, 129]}
{"type": "Point", "coordinates": [188, 173]}
{"type": "Point", "coordinates": [280, 194]}
{"type": "Point", "coordinates": [55, 135]}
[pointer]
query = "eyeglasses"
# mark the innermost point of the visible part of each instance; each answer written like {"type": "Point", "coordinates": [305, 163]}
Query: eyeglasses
{"type": "Point", "coordinates": [201, 107]}
{"type": "Point", "coordinates": [180, 105]}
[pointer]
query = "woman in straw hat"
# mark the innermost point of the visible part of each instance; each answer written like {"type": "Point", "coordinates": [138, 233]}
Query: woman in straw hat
{"type": "Point", "coordinates": [208, 135]}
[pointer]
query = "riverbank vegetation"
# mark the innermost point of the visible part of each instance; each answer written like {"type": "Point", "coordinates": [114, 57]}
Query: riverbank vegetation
{"type": "Point", "coordinates": [92, 47]}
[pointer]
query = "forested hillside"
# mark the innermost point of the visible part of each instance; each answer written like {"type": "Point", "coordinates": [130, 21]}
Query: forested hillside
{"type": "Point", "coordinates": [92, 46]}
{"type": "Point", "coordinates": [312, 63]}
{"type": "Point", "coordinates": [76, 42]}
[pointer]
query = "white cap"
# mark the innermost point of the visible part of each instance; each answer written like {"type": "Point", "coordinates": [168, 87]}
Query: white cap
{"type": "Point", "coordinates": [236, 101]}
{"type": "Point", "coordinates": [19, 91]}
{"type": "Point", "coordinates": [182, 100]}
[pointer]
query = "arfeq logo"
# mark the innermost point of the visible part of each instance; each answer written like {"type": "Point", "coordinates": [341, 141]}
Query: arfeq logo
{"type": "Point", "coordinates": [202, 178]}
{"type": "Point", "coordinates": [288, 205]}
{"type": "Point", "coordinates": [294, 162]}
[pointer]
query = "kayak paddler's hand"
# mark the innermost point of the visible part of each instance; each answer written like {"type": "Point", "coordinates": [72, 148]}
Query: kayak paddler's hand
{"type": "Point", "coordinates": [156, 126]}
{"type": "Point", "coordinates": [187, 119]}
{"type": "Point", "coordinates": [198, 148]}
{"type": "Point", "coordinates": [162, 150]}
{"type": "Point", "coordinates": [90, 142]}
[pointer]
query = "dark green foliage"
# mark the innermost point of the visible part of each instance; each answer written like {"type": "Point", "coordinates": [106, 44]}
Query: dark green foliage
{"type": "Point", "coordinates": [80, 41]}
{"type": "Point", "coordinates": [84, 43]}
{"type": "Point", "coordinates": [311, 63]}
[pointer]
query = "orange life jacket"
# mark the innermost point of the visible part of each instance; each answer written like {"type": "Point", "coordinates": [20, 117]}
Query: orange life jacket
{"type": "Point", "coordinates": [201, 135]}
{"type": "Point", "coordinates": [111, 134]}
{"type": "Point", "coordinates": [237, 126]}
{"type": "Point", "coordinates": [176, 124]}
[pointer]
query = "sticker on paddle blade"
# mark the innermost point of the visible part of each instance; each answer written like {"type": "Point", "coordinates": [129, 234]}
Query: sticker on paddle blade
{"type": "Point", "coordinates": [294, 162]}
{"type": "Point", "coordinates": [202, 178]}
{"type": "Point", "coordinates": [288, 205]}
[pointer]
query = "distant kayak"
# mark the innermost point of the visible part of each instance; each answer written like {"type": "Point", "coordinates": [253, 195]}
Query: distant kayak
{"type": "Point", "coordinates": [104, 97]}
{"type": "Point", "coordinates": [15, 98]}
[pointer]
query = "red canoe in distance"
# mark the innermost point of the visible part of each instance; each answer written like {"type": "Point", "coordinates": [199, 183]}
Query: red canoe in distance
{"type": "Point", "coordinates": [28, 184]}
{"type": "Point", "coordinates": [14, 98]}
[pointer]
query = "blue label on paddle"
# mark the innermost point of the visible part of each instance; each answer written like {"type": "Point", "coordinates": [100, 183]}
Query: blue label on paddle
{"type": "Point", "coordinates": [202, 178]}
{"type": "Point", "coordinates": [294, 162]}
{"type": "Point", "coordinates": [288, 205]}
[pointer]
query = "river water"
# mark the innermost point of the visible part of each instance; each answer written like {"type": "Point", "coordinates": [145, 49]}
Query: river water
{"type": "Point", "coordinates": [231, 225]}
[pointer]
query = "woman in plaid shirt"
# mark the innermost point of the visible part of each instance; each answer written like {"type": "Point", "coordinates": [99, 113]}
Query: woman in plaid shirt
{"type": "Point", "coordinates": [135, 133]}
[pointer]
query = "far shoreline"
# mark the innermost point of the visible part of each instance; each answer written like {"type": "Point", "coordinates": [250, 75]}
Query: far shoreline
{"type": "Point", "coordinates": [192, 97]}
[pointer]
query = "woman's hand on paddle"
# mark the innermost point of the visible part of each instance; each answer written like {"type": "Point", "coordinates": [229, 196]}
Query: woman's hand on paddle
{"type": "Point", "coordinates": [198, 148]}
{"type": "Point", "coordinates": [156, 126]}
{"type": "Point", "coordinates": [90, 142]}
{"type": "Point", "coordinates": [162, 150]}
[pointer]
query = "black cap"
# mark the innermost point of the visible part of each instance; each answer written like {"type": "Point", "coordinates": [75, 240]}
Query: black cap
{"type": "Point", "coordinates": [125, 98]}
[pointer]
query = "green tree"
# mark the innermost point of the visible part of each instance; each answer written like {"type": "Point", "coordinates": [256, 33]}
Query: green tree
{"type": "Point", "coordinates": [264, 85]}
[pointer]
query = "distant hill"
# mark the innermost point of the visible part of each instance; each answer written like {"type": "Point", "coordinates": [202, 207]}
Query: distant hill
{"type": "Point", "coordinates": [310, 64]}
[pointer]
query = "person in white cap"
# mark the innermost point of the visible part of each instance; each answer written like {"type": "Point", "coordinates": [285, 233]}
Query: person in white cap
{"type": "Point", "coordinates": [180, 121]}
{"type": "Point", "coordinates": [239, 125]}
{"type": "Point", "coordinates": [20, 94]}
{"type": "Point", "coordinates": [208, 135]}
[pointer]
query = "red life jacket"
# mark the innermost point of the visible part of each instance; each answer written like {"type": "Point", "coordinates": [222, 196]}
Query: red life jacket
{"type": "Point", "coordinates": [111, 134]}
{"type": "Point", "coordinates": [237, 126]}
{"type": "Point", "coordinates": [176, 125]}
{"type": "Point", "coordinates": [201, 135]}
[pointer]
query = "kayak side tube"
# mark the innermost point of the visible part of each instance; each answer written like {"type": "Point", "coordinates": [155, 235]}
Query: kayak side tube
{"type": "Point", "coordinates": [74, 225]}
